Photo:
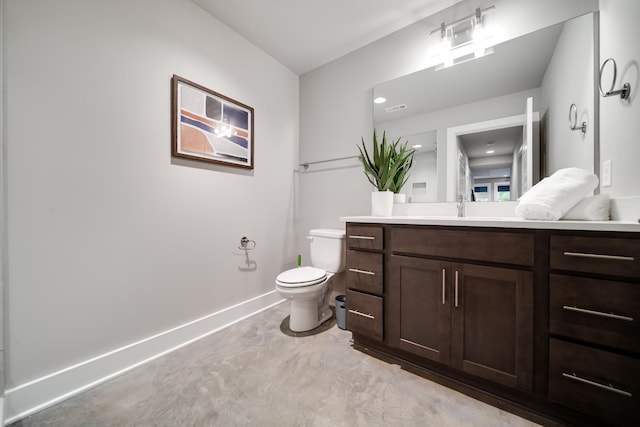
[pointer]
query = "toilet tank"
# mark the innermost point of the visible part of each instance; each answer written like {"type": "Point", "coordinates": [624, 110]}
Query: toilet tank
{"type": "Point", "coordinates": [327, 247]}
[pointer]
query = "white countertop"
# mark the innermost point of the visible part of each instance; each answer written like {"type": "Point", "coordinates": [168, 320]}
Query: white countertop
{"type": "Point", "coordinates": [500, 222]}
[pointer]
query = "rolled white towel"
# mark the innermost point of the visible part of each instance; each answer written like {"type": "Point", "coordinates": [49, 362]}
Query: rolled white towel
{"type": "Point", "coordinates": [592, 208]}
{"type": "Point", "coordinates": [554, 196]}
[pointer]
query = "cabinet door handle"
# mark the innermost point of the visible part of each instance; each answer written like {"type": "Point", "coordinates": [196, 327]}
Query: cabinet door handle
{"type": "Point", "coordinates": [599, 256]}
{"type": "Point", "coordinates": [610, 388]}
{"type": "Point", "coordinates": [444, 280]}
{"type": "Point", "coordinates": [359, 313]}
{"type": "Point", "coordinates": [598, 313]}
{"type": "Point", "coordinates": [355, 270]}
{"type": "Point", "coordinates": [456, 290]}
{"type": "Point", "coordinates": [362, 237]}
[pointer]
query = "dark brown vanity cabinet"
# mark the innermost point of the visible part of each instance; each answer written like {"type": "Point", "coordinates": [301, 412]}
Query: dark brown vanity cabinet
{"type": "Point", "coordinates": [477, 318]}
{"type": "Point", "coordinates": [544, 322]}
{"type": "Point", "coordinates": [365, 280]}
{"type": "Point", "coordinates": [594, 326]}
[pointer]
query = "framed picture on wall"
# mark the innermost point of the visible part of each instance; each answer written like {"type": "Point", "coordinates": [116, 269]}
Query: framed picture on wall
{"type": "Point", "coordinates": [209, 126]}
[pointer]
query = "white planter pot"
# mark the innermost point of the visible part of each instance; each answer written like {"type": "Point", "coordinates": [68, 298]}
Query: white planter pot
{"type": "Point", "coordinates": [399, 198]}
{"type": "Point", "coordinates": [381, 203]}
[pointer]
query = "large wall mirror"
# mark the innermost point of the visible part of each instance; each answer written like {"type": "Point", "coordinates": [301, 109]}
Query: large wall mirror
{"type": "Point", "coordinates": [470, 123]}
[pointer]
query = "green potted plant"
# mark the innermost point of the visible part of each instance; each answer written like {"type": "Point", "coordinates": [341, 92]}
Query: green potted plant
{"type": "Point", "coordinates": [404, 157]}
{"type": "Point", "coordinates": [386, 170]}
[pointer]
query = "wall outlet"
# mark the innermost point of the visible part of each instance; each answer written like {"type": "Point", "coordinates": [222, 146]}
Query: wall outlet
{"type": "Point", "coordinates": [606, 173]}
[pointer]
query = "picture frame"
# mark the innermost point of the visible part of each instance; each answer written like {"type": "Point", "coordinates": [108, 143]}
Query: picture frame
{"type": "Point", "coordinates": [210, 127]}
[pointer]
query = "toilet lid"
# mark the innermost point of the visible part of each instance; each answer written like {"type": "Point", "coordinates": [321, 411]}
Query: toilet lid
{"type": "Point", "coordinates": [301, 276]}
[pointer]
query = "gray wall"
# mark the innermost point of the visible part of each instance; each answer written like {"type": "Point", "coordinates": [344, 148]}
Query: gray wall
{"type": "Point", "coordinates": [109, 239]}
{"type": "Point", "coordinates": [619, 120]}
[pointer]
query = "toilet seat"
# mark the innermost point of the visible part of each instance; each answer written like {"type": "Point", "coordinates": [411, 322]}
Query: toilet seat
{"type": "Point", "coordinates": [300, 277]}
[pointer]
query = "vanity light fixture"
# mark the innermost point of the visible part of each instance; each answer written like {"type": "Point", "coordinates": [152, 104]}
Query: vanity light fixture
{"type": "Point", "coordinates": [445, 45]}
{"type": "Point", "coordinates": [462, 40]}
{"type": "Point", "coordinates": [479, 47]}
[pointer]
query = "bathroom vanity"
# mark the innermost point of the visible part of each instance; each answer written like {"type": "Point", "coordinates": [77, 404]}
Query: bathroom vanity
{"type": "Point", "coordinates": [540, 318]}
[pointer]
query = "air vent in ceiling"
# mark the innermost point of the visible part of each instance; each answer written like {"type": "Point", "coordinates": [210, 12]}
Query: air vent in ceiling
{"type": "Point", "coordinates": [395, 108]}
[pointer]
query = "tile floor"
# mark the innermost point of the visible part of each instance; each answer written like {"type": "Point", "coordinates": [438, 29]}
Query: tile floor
{"type": "Point", "coordinates": [252, 374]}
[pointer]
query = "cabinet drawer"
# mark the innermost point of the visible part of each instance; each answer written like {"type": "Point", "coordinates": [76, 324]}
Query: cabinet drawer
{"type": "Point", "coordinates": [364, 314]}
{"type": "Point", "coordinates": [614, 256]}
{"type": "Point", "coordinates": [510, 248]}
{"type": "Point", "coordinates": [365, 236]}
{"type": "Point", "coordinates": [598, 311]}
{"type": "Point", "coordinates": [365, 271]}
{"type": "Point", "coordinates": [601, 384]}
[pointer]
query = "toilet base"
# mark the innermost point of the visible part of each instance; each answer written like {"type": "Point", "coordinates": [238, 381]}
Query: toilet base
{"type": "Point", "coordinates": [309, 304]}
{"type": "Point", "coordinates": [307, 315]}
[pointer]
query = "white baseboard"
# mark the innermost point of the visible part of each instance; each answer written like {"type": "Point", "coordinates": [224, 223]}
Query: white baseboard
{"type": "Point", "coordinates": [31, 397]}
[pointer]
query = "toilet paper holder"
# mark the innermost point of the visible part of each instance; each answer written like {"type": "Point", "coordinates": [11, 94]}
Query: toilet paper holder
{"type": "Point", "coordinates": [247, 244]}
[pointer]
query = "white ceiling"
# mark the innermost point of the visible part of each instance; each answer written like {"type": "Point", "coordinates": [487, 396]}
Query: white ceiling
{"type": "Point", "coordinates": [502, 141]}
{"type": "Point", "coordinates": [305, 34]}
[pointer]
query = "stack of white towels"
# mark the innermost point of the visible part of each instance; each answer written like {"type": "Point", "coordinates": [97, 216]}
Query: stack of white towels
{"type": "Point", "coordinates": [566, 194]}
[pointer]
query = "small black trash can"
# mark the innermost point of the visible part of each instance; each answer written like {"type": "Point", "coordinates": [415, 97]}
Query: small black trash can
{"type": "Point", "coordinates": [341, 311]}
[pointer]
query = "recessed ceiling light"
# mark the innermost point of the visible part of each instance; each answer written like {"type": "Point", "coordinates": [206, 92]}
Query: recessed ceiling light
{"type": "Point", "coordinates": [491, 151]}
{"type": "Point", "coordinates": [380, 100]}
{"type": "Point", "coordinates": [417, 146]}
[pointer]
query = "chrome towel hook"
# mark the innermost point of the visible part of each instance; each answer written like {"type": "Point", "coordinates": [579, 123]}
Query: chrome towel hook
{"type": "Point", "coordinates": [573, 120]}
{"type": "Point", "coordinates": [624, 93]}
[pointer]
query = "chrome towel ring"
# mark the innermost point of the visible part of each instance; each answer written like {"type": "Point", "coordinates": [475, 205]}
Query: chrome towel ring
{"type": "Point", "coordinates": [624, 93]}
{"type": "Point", "coordinates": [573, 120]}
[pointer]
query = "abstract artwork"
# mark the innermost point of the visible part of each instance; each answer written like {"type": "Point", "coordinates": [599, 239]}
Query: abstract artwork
{"type": "Point", "coordinates": [210, 127]}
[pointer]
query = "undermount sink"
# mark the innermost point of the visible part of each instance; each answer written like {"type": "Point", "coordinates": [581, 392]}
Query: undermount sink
{"type": "Point", "coordinates": [486, 218]}
{"type": "Point", "coordinates": [464, 218]}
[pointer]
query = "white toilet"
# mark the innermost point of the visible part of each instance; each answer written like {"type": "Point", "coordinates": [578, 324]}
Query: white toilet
{"type": "Point", "coordinates": [307, 287]}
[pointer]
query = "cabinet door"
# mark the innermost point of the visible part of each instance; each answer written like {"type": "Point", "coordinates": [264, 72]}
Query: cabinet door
{"type": "Point", "coordinates": [492, 324]}
{"type": "Point", "coordinates": [418, 319]}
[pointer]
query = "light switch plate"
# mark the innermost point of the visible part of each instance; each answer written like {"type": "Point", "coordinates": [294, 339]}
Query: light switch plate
{"type": "Point", "coordinates": [606, 173]}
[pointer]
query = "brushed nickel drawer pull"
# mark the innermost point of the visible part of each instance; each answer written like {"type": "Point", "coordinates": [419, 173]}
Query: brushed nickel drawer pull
{"type": "Point", "coordinates": [595, 384]}
{"type": "Point", "coordinates": [456, 290]}
{"type": "Point", "coordinates": [359, 313]}
{"type": "Point", "coordinates": [355, 270]}
{"type": "Point", "coordinates": [362, 237]}
{"type": "Point", "coordinates": [614, 257]}
{"type": "Point", "coordinates": [444, 272]}
{"type": "Point", "coordinates": [417, 345]}
{"type": "Point", "coordinates": [598, 313]}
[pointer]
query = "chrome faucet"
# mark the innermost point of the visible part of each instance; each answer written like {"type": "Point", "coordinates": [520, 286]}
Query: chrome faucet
{"type": "Point", "coordinates": [460, 205]}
